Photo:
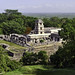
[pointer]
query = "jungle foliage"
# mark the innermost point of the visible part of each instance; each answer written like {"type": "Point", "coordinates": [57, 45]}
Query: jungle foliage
{"type": "Point", "coordinates": [33, 58]}
{"type": "Point", "coordinates": [65, 56]}
{"type": "Point", "coordinates": [12, 21]}
{"type": "Point", "coordinates": [5, 63]}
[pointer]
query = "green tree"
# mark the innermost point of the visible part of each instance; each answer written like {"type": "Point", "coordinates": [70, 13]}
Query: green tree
{"type": "Point", "coordinates": [42, 57]}
{"type": "Point", "coordinates": [13, 27]}
{"type": "Point", "coordinates": [9, 11]}
{"type": "Point", "coordinates": [3, 18]}
{"type": "Point", "coordinates": [29, 58]}
{"type": "Point", "coordinates": [68, 32]}
{"type": "Point", "coordinates": [1, 31]}
{"type": "Point", "coordinates": [65, 56]}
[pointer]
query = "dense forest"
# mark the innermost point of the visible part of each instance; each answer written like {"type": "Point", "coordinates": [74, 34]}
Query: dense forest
{"type": "Point", "coordinates": [65, 56]}
{"type": "Point", "coordinates": [12, 21]}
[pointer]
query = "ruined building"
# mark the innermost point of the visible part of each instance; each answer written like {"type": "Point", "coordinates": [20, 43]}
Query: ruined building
{"type": "Point", "coordinates": [40, 33]}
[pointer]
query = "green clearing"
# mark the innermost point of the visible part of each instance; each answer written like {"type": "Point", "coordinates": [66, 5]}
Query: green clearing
{"type": "Point", "coordinates": [41, 70]}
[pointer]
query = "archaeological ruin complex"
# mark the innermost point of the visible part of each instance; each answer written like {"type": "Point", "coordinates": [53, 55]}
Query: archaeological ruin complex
{"type": "Point", "coordinates": [39, 35]}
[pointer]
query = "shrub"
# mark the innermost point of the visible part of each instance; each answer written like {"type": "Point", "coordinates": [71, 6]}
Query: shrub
{"type": "Point", "coordinates": [41, 41]}
{"type": "Point", "coordinates": [33, 58]}
{"type": "Point", "coordinates": [29, 58]}
{"type": "Point", "coordinates": [64, 57]}
{"type": "Point", "coordinates": [42, 57]}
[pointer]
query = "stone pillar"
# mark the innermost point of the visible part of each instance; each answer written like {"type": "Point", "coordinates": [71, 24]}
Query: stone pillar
{"type": "Point", "coordinates": [53, 38]}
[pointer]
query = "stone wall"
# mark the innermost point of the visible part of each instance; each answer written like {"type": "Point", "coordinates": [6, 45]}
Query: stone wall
{"type": "Point", "coordinates": [50, 48]}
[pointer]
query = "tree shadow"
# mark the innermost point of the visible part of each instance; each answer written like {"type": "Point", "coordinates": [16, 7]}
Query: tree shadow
{"type": "Point", "coordinates": [49, 70]}
{"type": "Point", "coordinates": [44, 72]}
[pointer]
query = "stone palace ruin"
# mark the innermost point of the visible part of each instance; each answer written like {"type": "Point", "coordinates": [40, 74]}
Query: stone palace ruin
{"type": "Point", "coordinates": [39, 35]}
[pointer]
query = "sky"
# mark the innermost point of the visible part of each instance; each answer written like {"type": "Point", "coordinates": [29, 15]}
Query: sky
{"type": "Point", "coordinates": [39, 6]}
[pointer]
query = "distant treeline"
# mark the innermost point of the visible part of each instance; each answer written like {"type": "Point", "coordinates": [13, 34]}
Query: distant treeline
{"type": "Point", "coordinates": [49, 15]}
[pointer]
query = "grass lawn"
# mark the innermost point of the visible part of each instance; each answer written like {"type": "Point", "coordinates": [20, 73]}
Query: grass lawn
{"type": "Point", "coordinates": [41, 70]}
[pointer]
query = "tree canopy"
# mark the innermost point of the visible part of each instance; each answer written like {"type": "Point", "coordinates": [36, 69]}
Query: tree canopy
{"type": "Point", "coordinates": [14, 19]}
{"type": "Point", "coordinates": [65, 56]}
{"type": "Point", "coordinates": [33, 58]}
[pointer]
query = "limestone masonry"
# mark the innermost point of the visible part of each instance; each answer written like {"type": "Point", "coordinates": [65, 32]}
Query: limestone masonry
{"type": "Point", "coordinates": [41, 38]}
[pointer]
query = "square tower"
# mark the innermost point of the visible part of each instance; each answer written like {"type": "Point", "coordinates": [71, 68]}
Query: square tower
{"type": "Point", "coordinates": [39, 27]}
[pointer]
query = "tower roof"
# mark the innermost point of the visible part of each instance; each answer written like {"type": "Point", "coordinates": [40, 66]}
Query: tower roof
{"type": "Point", "coordinates": [39, 21]}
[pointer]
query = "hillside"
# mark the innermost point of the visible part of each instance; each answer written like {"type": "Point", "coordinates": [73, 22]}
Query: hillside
{"type": "Point", "coordinates": [12, 46]}
{"type": "Point", "coordinates": [16, 51]}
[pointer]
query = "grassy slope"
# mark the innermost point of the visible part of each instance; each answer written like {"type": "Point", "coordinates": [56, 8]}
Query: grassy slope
{"type": "Point", "coordinates": [12, 45]}
{"type": "Point", "coordinates": [41, 70]}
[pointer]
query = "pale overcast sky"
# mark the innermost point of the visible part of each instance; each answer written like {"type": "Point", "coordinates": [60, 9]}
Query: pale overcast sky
{"type": "Point", "coordinates": [39, 6]}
